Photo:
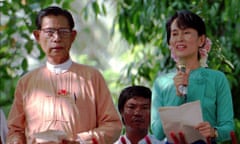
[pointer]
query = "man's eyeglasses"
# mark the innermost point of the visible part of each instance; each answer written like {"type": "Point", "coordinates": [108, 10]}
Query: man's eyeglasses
{"type": "Point", "coordinates": [62, 32]}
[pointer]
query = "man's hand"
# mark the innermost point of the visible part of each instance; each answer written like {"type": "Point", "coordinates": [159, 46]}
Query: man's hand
{"type": "Point", "coordinates": [180, 140]}
{"type": "Point", "coordinates": [69, 142]}
{"type": "Point", "coordinates": [92, 141]}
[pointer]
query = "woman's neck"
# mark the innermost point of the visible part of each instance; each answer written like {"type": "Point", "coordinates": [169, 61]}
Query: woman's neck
{"type": "Point", "coordinates": [189, 64]}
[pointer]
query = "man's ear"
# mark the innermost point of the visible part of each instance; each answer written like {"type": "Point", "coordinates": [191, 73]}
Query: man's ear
{"type": "Point", "coordinates": [36, 34]}
{"type": "Point", "coordinates": [73, 35]}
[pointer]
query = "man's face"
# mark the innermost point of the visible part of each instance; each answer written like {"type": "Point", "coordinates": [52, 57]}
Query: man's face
{"type": "Point", "coordinates": [136, 113]}
{"type": "Point", "coordinates": [55, 38]}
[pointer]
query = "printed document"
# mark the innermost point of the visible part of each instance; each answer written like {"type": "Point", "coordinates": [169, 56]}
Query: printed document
{"type": "Point", "coordinates": [182, 118]}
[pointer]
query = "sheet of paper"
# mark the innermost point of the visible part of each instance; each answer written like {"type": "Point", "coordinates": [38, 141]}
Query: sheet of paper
{"type": "Point", "coordinates": [55, 136]}
{"type": "Point", "coordinates": [182, 118]}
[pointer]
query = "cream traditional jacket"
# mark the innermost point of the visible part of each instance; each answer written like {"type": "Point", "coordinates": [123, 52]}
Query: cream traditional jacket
{"type": "Point", "coordinates": [77, 102]}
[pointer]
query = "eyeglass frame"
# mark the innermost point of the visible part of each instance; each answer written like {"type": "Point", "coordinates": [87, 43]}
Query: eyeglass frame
{"type": "Point", "coordinates": [62, 32]}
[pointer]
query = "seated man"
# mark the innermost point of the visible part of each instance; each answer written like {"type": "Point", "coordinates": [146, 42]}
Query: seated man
{"type": "Point", "coordinates": [134, 105]}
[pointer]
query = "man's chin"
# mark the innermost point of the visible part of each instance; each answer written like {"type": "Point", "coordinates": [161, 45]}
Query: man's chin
{"type": "Point", "coordinates": [138, 126]}
{"type": "Point", "coordinates": [57, 58]}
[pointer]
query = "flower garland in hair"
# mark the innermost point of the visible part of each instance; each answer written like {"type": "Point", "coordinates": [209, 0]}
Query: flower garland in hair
{"type": "Point", "coordinates": [203, 53]}
{"type": "Point", "coordinates": [173, 54]}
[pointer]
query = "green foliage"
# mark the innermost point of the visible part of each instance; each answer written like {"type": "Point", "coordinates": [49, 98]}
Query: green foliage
{"type": "Point", "coordinates": [237, 129]}
{"type": "Point", "coordinates": [95, 7]}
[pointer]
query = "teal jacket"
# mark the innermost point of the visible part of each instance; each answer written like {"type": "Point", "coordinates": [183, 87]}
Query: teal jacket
{"type": "Point", "coordinates": [211, 87]}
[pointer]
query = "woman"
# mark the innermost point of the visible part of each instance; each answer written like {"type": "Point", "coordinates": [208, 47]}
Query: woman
{"type": "Point", "coordinates": [186, 37]}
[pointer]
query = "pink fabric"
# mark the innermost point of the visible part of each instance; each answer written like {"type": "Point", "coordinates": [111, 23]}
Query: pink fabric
{"type": "Point", "coordinates": [85, 109]}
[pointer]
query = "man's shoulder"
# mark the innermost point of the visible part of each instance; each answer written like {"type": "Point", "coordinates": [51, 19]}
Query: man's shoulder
{"type": "Point", "coordinates": [84, 68]}
{"type": "Point", "coordinates": [33, 72]}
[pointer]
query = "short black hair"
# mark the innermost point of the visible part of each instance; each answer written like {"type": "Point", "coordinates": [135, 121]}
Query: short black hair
{"type": "Point", "coordinates": [186, 19]}
{"type": "Point", "coordinates": [54, 10]}
{"type": "Point", "coordinates": [133, 91]}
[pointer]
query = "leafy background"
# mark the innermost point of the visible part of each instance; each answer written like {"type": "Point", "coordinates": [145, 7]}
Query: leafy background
{"type": "Point", "coordinates": [133, 41]}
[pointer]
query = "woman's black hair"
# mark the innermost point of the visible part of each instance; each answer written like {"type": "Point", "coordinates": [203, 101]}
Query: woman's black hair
{"type": "Point", "coordinates": [54, 10]}
{"type": "Point", "coordinates": [186, 19]}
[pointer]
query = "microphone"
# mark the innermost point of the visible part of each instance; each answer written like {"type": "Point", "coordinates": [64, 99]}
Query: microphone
{"type": "Point", "coordinates": [182, 88]}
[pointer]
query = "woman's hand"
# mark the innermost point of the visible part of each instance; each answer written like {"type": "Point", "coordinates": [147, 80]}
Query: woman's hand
{"type": "Point", "coordinates": [181, 78]}
{"type": "Point", "coordinates": [206, 130]}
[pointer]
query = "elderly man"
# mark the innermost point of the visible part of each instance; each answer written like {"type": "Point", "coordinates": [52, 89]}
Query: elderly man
{"type": "Point", "coordinates": [62, 97]}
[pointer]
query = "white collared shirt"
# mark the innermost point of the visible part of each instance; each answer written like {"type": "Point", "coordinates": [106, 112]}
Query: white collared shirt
{"type": "Point", "coordinates": [142, 141]}
{"type": "Point", "coordinates": [60, 68]}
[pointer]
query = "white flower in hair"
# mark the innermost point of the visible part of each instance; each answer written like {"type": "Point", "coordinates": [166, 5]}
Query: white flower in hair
{"type": "Point", "coordinates": [204, 52]}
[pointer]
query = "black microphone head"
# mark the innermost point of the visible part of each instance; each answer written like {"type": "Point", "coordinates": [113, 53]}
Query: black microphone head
{"type": "Point", "coordinates": [181, 67]}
